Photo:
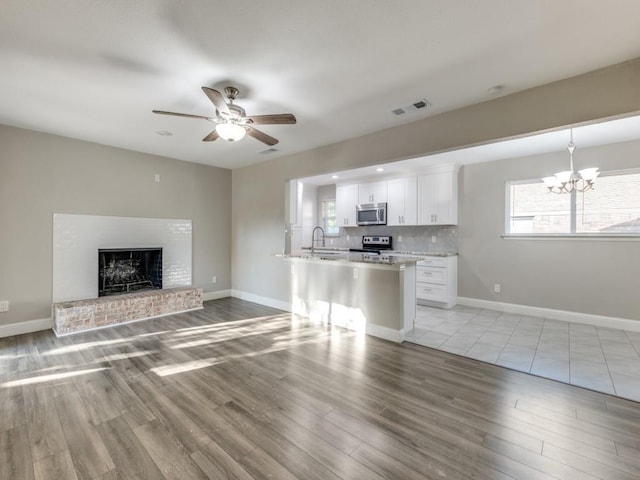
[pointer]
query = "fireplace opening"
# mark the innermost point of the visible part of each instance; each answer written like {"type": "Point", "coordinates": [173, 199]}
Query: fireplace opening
{"type": "Point", "coordinates": [124, 270]}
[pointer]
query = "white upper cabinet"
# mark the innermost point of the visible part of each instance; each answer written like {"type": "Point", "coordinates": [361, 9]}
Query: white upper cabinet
{"type": "Point", "coordinates": [346, 201]}
{"type": "Point", "coordinates": [372, 192]}
{"type": "Point", "coordinates": [402, 201]}
{"type": "Point", "coordinates": [438, 197]}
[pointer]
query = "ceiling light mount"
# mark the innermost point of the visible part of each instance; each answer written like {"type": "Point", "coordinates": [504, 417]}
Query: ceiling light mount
{"type": "Point", "coordinates": [232, 93]}
{"type": "Point", "coordinates": [496, 90]}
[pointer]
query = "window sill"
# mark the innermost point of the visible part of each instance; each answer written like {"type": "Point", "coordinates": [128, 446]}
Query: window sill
{"type": "Point", "coordinates": [623, 237]}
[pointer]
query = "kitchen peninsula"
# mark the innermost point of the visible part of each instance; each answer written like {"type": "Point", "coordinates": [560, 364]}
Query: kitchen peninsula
{"type": "Point", "coordinates": [374, 294]}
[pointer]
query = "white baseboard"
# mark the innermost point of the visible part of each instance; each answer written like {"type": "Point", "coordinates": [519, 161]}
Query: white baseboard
{"type": "Point", "coordinates": [269, 302]}
{"type": "Point", "coordinates": [206, 296]}
{"type": "Point", "coordinates": [385, 333]}
{"type": "Point", "coordinates": [25, 327]}
{"type": "Point", "coordinates": [564, 315]}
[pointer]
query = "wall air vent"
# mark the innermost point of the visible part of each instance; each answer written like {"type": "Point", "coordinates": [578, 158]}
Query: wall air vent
{"type": "Point", "coordinates": [412, 107]}
{"type": "Point", "coordinates": [267, 151]}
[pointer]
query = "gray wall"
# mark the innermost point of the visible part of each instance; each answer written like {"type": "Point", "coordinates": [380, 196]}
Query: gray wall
{"type": "Point", "coordinates": [41, 174]}
{"type": "Point", "coordinates": [258, 190]}
{"type": "Point", "coordinates": [598, 276]}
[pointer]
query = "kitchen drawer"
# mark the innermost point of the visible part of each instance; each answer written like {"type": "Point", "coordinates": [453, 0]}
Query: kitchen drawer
{"type": "Point", "coordinates": [433, 262]}
{"type": "Point", "coordinates": [432, 275]}
{"type": "Point", "coordinates": [430, 291]}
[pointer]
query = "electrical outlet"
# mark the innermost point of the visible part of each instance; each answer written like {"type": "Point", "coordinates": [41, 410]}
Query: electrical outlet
{"type": "Point", "coordinates": [355, 273]}
{"type": "Point", "coordinates": [496, 288]}
{"type": "Point", "coordinates": [214, 279]}
{"type": "Point", "coordinates": [4, 306]}
{"type": "Point", "coordinates": [433, 239]}
{"type": "Point", "coordinates": [157, 177]}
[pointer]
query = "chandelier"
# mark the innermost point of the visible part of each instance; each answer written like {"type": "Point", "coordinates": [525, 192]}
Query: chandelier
{"type": "Point", "coordinates": [569, 181]}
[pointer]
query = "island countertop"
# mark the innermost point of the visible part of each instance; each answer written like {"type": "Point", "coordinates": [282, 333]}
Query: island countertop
{"type": "Point", "coordinates": [343, 257]}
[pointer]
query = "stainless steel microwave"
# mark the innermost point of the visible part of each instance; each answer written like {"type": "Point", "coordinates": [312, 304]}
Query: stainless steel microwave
{"type": "Point", "coordinates": [371, 214]}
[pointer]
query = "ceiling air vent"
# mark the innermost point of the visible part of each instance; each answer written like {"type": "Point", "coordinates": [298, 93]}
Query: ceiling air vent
{"type": "Point", "coordinates": [412, 107]}
{"type": "Point", "coordinates": [267, 151]}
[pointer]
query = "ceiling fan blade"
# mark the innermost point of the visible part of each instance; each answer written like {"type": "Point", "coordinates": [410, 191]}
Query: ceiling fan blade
{"type": "Point", "coordinates": [211, 137]}
{"type": "Point", "coordinates": [217, 99]}
{"type": "Point", "coordinates": [263, 137]}
{"type": "Point", "coordinates": [277, 119]}
{"type": "Point", "coordinates": [161, 112]}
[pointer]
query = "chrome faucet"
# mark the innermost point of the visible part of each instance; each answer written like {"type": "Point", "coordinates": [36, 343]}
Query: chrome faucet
{"type": "Point", "coordinates": [313, 238]}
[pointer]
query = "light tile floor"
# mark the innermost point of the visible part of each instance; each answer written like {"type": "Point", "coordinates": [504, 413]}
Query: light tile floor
{"type": "Point", "coordinates": [602, 359]}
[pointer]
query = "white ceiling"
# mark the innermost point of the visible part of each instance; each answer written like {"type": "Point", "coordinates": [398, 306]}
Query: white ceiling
{"type": "Point", "coordinates": [94, 69]}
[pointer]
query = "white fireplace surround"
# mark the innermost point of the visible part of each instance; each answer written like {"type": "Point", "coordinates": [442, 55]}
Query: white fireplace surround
{"type": "Point", "coordinates": [77, 238]}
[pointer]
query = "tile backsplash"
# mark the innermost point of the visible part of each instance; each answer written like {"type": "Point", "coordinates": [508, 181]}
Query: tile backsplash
{"type": "Point", "coordinates": [406, 239]}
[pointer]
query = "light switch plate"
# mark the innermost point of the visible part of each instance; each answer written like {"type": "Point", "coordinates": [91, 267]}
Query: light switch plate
{"type": "Point", "coordinates": [4, 306]}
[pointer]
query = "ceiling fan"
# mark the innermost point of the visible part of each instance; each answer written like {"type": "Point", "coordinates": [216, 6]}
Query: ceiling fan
{"type": "Point", "coordinates": [231, 121]}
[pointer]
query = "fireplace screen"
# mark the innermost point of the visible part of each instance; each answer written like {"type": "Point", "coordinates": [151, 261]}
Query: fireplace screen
{"type": "Point", "coordinates": [122, 270]}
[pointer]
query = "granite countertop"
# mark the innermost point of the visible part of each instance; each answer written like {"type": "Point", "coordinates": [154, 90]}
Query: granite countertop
{"type": "Point", "coordinates": [426, 254]}
{"type": "Point", "coordinates": [344, 256]}
{"type": "Point", "coordinates": [344, 250]}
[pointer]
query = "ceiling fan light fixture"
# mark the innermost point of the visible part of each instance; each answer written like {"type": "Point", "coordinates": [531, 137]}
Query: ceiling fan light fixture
{"type": "Point", "coordinates": [231, 132]}
{"type": "Point", "coordinates": [232, 123]}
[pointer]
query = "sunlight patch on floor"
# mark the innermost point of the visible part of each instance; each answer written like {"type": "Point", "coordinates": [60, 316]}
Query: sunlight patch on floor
{"type": "Point", "coordinates": [84, 346]}
{"type": "Point", "coordinates": [49, 378]}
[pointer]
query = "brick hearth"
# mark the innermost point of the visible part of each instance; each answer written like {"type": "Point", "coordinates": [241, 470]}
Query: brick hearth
{"type": "Point", "coordinates": [79, 315]}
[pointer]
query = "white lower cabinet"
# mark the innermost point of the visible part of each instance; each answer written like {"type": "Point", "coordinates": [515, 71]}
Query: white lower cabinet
{"type": "Point", "coordinates": [437, 281]}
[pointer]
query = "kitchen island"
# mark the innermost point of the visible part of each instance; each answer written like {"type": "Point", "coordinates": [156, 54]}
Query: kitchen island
{"type": "Point", "coordinates": [373, 294]}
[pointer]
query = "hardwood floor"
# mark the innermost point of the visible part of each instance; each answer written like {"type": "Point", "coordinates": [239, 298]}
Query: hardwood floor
{"type": "Point", "coordinates": [240, 391]}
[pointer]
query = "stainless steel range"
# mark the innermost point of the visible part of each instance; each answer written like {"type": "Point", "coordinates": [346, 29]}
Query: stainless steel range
{"type": "Point", "coordinates": [374, 244]}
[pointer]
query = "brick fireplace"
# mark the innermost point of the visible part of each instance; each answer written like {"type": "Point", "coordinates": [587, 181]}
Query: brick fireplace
{"type": "Point", "coordinates": [111, 270]}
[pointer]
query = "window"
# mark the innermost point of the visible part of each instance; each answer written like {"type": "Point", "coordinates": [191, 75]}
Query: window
{"type": "Point", "coordinates": [329, 220]}
{"type": "Point", "coordinates": [612, 207]}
